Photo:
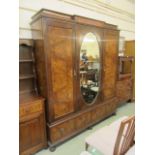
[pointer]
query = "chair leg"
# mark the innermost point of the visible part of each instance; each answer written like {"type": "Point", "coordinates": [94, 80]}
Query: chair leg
{"type": "Point", "coordinates": [86, 146]}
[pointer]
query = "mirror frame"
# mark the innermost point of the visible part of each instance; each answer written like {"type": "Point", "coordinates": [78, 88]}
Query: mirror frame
{"type": "Point", "coordinates": [98, 39]}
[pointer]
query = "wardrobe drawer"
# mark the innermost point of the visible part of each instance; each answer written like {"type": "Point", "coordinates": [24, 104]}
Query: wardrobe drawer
{"type": "Point", "coordinates": [27, 109]}
{"type": "Point", "coordinates": [80, 122]}
{"type": "Point", "coordinates": [110, 107]}
{"type": "Point", "coordinates": [98, 113]}
{"type": "Point", "coordinates": [62, 130]}
{"type": "Point", "coordinates": [94, 115]}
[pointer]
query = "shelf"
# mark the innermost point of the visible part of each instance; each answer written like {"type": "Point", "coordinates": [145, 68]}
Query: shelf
{"type": "Point", "coordinates": [21, 77]}
{"type": "Point", "coordinates": [26, 60]}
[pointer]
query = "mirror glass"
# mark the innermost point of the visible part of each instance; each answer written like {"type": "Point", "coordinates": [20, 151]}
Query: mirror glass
{"type": "Point", "coordinates": [89, 68]}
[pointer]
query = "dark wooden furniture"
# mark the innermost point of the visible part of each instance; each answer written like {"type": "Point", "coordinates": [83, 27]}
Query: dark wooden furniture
{"type": "Point", "coordinates": [32, 133]}
{"type": "Point", "coordinates": [125, 79]}
{"type": "Point", "coordinates": [58, 38]}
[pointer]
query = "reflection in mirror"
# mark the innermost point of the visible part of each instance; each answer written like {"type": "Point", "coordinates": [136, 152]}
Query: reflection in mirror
{"type": "Point", "coordinates": [89, 68]}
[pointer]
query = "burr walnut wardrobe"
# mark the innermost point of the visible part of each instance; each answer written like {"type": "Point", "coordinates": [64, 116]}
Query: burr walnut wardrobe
{"type": "Point", "coordinates": [76, 61]}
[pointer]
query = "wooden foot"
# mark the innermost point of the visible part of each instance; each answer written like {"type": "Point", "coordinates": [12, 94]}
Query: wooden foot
{"type": "Point", "coordinates": [114, 113]}
{"type": "Point", "coordinates": [131, 100]}
{"type": "Point", "coordinates": [46, 146]}
{"type": "Point", "coordinates": [90, 128]}
{"type": "Point", "coordinates": [52, 148]}
{"type": "Point", "coordinates": [86, 146]}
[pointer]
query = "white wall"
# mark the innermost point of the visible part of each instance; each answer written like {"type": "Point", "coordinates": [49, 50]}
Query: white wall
{"type": "Point", "coordinates": [117, 12]}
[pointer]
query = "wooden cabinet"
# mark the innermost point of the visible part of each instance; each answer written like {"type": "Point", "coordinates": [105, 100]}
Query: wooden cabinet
{"type": "Point", "coordinates": [58, 41]}
{"type": "Point", "coordinates": [32, 132]}
{"type": "Point", "coordinates": [125, 79]}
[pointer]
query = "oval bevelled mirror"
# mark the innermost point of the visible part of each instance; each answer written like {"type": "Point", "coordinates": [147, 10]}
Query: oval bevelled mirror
{"type": "Point", "coordinates": [89, 68]}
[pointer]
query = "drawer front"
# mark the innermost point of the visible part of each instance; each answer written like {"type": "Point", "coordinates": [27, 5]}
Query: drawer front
{"type": "Point", "coordinates": [124, 84]}
{"type": "Point", "coordinates": [65, 129]}
{"type": "Point", "coordinates": [80, 122]}
{"type": "Point", "coordinates": [83, 121]}
{"type": "Point", "coordinates": [124, 90]}
{"type": "Point", "coordinates": [87, 118]}
{"type": "Point", "coordinates": [59, 132]}
{"type": "Point", "coordinates": [62, 130]}
{"type": "Point", "coordinates": [94, 115]}
{"type": "Point", "coordinates": [110, 107]}
{"type": "Point", "coordinates": [98, 114]}
{"type": "Point", "coordinates": [28, 109]}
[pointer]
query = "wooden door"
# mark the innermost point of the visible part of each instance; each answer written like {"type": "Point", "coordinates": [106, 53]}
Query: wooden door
{"type": "Point", "coordinates": [81, 32]}
{"type": "Point", "coordinates": [60, 38]}
{"type": "Point", "coordinates": [31, 133]}
{"type": "Point", "coordinates": [110, 63]}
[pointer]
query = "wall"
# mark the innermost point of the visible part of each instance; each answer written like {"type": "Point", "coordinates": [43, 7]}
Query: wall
{"type": "Point", "coordinates": [117, 12]}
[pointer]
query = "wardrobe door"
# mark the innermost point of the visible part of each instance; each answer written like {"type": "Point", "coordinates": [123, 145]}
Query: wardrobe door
{"type": "Point", "coordinates": [89, 65]}
{"type": "Point", "coordinates": [110, 63]}
{"type": "Point", "coordinates": [60, 68]}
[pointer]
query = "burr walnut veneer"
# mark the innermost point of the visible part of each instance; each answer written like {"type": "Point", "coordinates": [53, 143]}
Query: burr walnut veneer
{"type": "Point", "coordinates": [57, 40]}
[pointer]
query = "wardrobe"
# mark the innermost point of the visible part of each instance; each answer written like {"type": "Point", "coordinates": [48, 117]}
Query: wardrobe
{"type": "Point", "coordinates": [76, 62]}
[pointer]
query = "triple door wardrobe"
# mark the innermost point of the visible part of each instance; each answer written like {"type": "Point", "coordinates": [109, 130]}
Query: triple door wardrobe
{"type": "Point", "coordinates": [76, 61]}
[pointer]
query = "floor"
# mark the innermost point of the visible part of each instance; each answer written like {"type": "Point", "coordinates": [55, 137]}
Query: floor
{"type": "Point", "coordinates": [76, 145]}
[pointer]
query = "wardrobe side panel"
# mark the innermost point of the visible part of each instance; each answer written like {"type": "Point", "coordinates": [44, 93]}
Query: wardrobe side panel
{"type": "Point", "coordinates": [110, 63]}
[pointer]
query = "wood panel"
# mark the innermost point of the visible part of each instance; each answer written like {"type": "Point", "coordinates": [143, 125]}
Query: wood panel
{"type": "Point", "coordinates": [62, 130]}
{"type": "Point", "coordinates": [61, 60]}
{"type": "Point", "coordinates": [130, 51]}
{"type": "Point", "coordinates": [40, 67]}
{"type": "Point", "coordinates": [65, 128]}
{"type": "Point", "coordinates": [124, 90]}
{"type": "Point", "coordinates": [58, 72]}
{"type": "Point", "coordinates": [28, 109]}
{"type": "Point", "coordinates": [81, 32]}
{"type": "Point", "coordinates": [110, 63]}
{"type": "Point", "coordinates": [31, 135]}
